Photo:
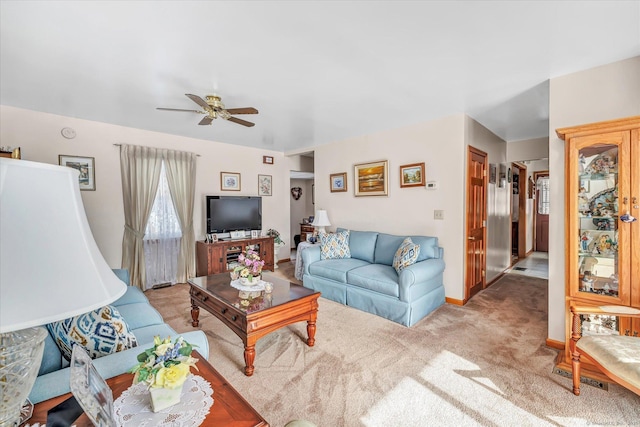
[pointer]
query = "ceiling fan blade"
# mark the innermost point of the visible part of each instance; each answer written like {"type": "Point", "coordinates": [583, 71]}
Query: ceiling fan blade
{"type": "Point", "coordinates": [247, 110]}
{"type": "Point", "coordinates": [179, 109]}
{"type": "Point", "coordinates": [241, 122]}
{"type": "Point", "coordinates": [201, 102]}
{"type": "Point", "coordinates": [206, 121]}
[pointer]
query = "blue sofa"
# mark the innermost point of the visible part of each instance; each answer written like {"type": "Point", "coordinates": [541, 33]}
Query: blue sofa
{"type": "Point", "coordinates": [144, 321]}
{"type": "Point", "coordinates": [367, 281]}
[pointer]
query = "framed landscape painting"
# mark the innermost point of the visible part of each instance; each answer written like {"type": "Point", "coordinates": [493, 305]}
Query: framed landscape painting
{"type": "Point", "coordinates": [338, 182]}
{"type": "Point", "coordinates": [86, 167]}
{"type": "Point", "coordinates": [371, 179]}
{"type": "Point", "coordinates": [412, 175]}
{"type": "Point", "coordinates": [229, 181]}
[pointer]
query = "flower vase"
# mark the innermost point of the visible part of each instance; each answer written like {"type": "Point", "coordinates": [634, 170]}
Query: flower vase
{"type": "Point", "coordinates": [245, 281]}
{"type": "Point", "coordinates": [162, 398]}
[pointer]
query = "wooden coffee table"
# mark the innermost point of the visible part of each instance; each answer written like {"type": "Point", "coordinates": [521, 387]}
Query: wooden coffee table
{"type": "Point", "coordinates": [229, 408]}
{"type": "Point", "coordinates": [288, 303]}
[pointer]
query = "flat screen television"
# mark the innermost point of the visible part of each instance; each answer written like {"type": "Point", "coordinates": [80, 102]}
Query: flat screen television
{"type": "Point", "coordinates": [232, 213]}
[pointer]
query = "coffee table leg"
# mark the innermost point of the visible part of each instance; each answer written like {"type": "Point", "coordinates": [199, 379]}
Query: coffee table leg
{"type": "Point", "coordinates": [249, 357]}
{"type": "Point", "coordinates": [311, 332]}
{"type": "Point", "coordinates": [195, 313]}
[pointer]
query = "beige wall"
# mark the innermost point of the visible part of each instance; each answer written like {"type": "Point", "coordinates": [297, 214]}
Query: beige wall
{"type": "Point", "coordinates": [528, 149]}
{"type": "Point", "coordinates": [603, 93]}
{"type": "Point", "coordinates": [38, 135]}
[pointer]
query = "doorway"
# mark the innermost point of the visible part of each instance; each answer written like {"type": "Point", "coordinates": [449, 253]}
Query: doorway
{"type": "Point", "coordinates": [475, 274]}
{"type": "Point", "coordinates": [518, 212]}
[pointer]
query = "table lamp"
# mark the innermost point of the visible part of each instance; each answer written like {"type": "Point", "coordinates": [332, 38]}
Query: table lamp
{"type": "Point", "coordinates": [321, 220]}
{"type": "Point", "coordinates": [50, 269]}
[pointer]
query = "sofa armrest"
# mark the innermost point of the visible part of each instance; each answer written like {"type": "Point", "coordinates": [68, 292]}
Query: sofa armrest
{"type": "Point", "coordinates": [309, 256]}
{"type": "Point", "coordinates": [56, 383]}
{"type": "Point", "coordinates": [417, 273]}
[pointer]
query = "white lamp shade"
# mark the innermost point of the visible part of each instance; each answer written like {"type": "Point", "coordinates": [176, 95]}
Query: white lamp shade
{"type": "Point", "coordinates": [50, 265]}
{"type": "Point", "coordinates": [321, 219]}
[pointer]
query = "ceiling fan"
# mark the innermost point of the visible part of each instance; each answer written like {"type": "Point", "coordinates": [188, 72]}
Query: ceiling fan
{"type": "Point", "coordinates": [214, 108]}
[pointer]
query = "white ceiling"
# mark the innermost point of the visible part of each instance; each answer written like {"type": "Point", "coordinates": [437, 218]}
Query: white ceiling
{"type": "Point", "coordinates": [317, 71]}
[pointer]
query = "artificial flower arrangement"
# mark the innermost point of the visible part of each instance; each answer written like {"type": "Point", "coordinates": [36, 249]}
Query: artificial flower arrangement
{"type": "Point", "coordinates": [249, 265]}
{"type": "Point", "coordinates": [166, 365]}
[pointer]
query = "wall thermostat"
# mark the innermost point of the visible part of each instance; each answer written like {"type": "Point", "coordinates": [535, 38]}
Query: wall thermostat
{"type": "Point", "coordinates": [432, 185]}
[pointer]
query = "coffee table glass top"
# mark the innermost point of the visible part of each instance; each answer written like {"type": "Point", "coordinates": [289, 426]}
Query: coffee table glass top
{"type": "Point", "coordinates": [283, 292]}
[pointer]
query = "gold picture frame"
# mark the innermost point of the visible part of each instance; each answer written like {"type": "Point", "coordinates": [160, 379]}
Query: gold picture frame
{"type": "Point", "coordinates": [371, 179]}
{"type": "Point", "coordinates": [338, 182]}
{"type": "Point", "coordinates": [230, 181]}
{"type": "Point", "coordinates": [412, 175]}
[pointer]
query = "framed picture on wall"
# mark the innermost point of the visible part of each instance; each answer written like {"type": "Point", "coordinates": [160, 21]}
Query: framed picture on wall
{"type": "Point", "coordinates": [492, 173]}
{"type": "Point", "coordinates": [338, 182]}
{"type": "Point", "coordinates": [229, 181]}
{"type": "Point", "coordinates": [371, 179]}
{"type": "Point", "coordinates": [412, 175]}
{"type": "Point", "coordinates": [264, 185]}
{"type": "Point", "coordinates": [84, 165]}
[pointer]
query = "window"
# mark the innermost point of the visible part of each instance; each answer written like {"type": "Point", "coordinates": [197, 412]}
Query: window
{"type": "Point", "coordinates": [162, 238]}
{"type": "Point", "coordinates": [543, 195]}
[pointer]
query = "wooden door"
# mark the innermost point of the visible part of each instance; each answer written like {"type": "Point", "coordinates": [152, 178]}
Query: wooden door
{"type": "Point", "coordinates": [476, 221]}
{"type": "Point", "coordinates": [541, 208]}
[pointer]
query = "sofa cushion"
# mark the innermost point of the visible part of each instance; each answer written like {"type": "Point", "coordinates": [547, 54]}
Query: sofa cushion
{"type": "Point", "coordinates": [362, 244]}
{"type": "Point", "coordinates": [101, 332]}
{"type": "Point", "coordinates": [375, 277]}
{"type": "Point", "coordinates": [132, 295]}
{"type": "Point", "coordinates": [406, 255]}
{"type": "Point", "coordinates": [386, 248]}
{"type": "Point", "coordinates": [428, 247]}
{"type": "Point", "coordinates": [139, 315]}
{"type": "Point", "coordinates": [335, 269]}
{"type": "Point", "coordinates": [51, 357]}
{"type": "Point", "coordinates": [334, 245]}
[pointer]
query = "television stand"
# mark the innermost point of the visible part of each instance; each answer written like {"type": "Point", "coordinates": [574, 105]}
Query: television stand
{"type": "Point", "coordinates": [222, 256]}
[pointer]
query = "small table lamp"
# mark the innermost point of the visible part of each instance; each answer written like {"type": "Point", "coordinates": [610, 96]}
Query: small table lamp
{"type": "Point", "coordinates": [321, 220]}
{"type": "Point", "coordinates": [50, 269]}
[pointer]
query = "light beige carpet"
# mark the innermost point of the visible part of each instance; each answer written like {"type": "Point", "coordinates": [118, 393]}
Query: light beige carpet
{"type": "Point", "coordinates": [481, 364]}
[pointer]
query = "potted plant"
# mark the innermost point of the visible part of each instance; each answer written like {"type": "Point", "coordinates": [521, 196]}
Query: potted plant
{"type": "Point", "coordinates": [277, 244]}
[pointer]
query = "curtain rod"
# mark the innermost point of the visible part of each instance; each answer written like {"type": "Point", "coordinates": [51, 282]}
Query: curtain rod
{"type": "Point", "coordinates": [120, 145]}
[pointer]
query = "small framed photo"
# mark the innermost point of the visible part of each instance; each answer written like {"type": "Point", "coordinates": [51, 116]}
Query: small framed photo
{"type": "Point", "coordinates": [229, 181]}
{"type": "Point", "coordinates": [371, 179]}
{"type": "Point", "coordinates": [338, 182]}
{"type": "Point", "coordinates": [254, 234]}
{"type": "Point", "coordinates": [84, 165]}
{"type": "Point", "coordinates": [492, 173]}
{"type": "Point", "coordinates": [264, 185]}
{"type": "Point", "coordinates": [412, 175]}
{"type": "Point", "coordinates": [267, 159]}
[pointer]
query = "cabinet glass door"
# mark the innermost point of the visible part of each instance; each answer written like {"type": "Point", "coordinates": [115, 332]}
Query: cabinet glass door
{"type": "Point", "coordinates": [598, 211]}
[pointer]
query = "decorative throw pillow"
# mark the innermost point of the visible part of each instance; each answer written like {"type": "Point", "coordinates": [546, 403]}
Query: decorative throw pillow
{"type": "Point", "coordinates": [100, 332]}
{"type": "Point", "coordinates": [334, 245]}
{"type": "Point", "coordinates": [406, 255]}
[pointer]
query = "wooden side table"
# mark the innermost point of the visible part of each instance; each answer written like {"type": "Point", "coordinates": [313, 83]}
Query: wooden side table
{"type": "Point", "coordinates": [229, 407]}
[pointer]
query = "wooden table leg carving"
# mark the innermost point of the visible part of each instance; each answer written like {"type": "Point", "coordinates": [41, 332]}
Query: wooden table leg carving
{"type": "Point", "coordinates": [195, 313]}
{"type": "Point", "coordinates": [311, 332]}
{"type": "Point", "coordinates": [249, 357]}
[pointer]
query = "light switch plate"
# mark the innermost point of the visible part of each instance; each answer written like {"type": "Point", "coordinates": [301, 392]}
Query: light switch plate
{"type": "Point", "coordinates": [432, 185]}
{"type": "Point", "coordinates": [438, 214]}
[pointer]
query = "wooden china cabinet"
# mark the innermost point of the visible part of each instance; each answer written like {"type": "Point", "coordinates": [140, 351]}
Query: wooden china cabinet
{"type": "Point", "coordinates": [602, 239]}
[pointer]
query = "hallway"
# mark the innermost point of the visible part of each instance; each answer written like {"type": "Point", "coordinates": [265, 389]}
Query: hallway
{"type": "Point", "coordinates": [535, 265]}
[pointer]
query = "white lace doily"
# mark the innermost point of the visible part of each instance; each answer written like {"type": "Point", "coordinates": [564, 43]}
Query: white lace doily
{"type": "Point", "coordinates": [253, 288]}
{"type": "Point", "coordinates": [133, 407]}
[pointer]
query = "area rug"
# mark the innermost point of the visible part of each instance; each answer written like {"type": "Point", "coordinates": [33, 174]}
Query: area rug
{"type": "Point", "coordinates": [481, 364]}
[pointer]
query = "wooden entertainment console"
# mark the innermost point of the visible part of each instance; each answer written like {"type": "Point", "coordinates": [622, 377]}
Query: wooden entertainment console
{"type": "Point", "coordinates": [221, 256]}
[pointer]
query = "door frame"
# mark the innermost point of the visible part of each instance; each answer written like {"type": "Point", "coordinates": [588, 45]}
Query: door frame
{"type": "Point", "coordinates": [467, 289]}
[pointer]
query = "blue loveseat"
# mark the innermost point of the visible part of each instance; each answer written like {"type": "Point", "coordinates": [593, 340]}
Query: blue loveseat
{"type": "Point", "coordinates": [144, 321]}
{"type": "Point", "coordinates": [367, 281]}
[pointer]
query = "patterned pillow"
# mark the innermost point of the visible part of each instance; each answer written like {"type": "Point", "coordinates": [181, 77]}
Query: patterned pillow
{"type": "Point", "coordinates": [406, 255]}
{"type": "Point", "coordinates": [335, 245]}
{"type": "Point", "coordinates": [100, 332]}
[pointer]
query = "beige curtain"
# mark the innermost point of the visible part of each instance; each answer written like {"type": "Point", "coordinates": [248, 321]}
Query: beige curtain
{"type": "Point", "coordinates": [180, 168]}
{"type": "Point", "coordinates": [140, 170]}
